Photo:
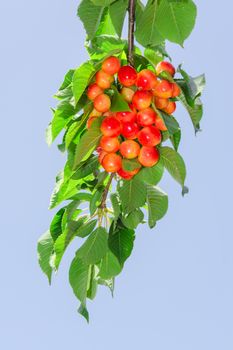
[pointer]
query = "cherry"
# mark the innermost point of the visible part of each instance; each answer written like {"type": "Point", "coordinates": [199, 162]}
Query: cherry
{"type": "Point", "coordinates": [127, 175]}
{"type": "Point", "coordinates": [171, 107]}
{"type": "Point", "coordinates": [146, 80]}
{"type": "Point", "coordinates": [111, 65]}
{"type": "Point", "coordinates": [127, 116]}
{"type": "Point", "coordinates": [142, 99]}
{"type": "Point", "coordinates": [109, 144]}
{"type": "Point", "coordinates": [129, 149]}
{"type": "Point", "coordinates": [164, 89]}
{"type": "Point", "coordinates": [130, 130]}
{"type": "Point", "coordinates": [93, 91]}
{"type": "Point", "coordinates": [176, 90]}
{"type": "Point", "coordinates": [127, 93]}
{"type": "Point", "coordinates": [112, 162]}
{"type": "Point", "coordinates": [165, 66]}
{"type": "Point", "coordinates": [103, 79]}
{"type": "Point", "coordinates": [159, 123]}
{"type": "Point", "coordinates": [110, 127]}
{"type": "Point", "coordinates": [160, 102]}
{"type": "Point", "coordinates": [149, 136]}
{"type": "Point", "coordinates": [102, 103]}
{"type": "Point", "coordinates": [146, 117]}
{"type": "Point", "coordinates": [148, 156]}
{"type": "Point", "coordinates": [127, 76]}
{"type": "Point", "coordinates": [101, 156]}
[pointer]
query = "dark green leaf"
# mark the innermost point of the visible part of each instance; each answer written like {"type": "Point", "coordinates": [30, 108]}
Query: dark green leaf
{"type": "Point", "coordinates": [133, 219]}
{"type": "Point", "coordinates": [175, 139]}
{"type": "Point", "coordinates": [152, 175]}
{"type": "Point", "coordinates": [121, 244]}
{"type": "Point", "coordinates": [174, 164]}
{"type": "Point", "coordinates": [96, 200]}
{"type": "Point", "coordinates": [118, 103]}
{"type": "Point", "coordinates": [78, 277]}
{"type": "Point", "coordinates": [115, 204]}
{"type": "Point", "coordinates": [102, 2]}
{"type": "Point", "coordinates": [92, 283]}
{"type": "Point", "coordinates": [56, 224]}
{"type": "Point", "coordinates": [86, 228]}
{"type": "Point", "coordinates": [130, 164]}
{"type": "Point", "coordinates": [82, 310]}
{"type": "Point", "coordinates": [91, 16]}
{"type": "Point", "coordinates": [157, 202]}
{"type": "Point", "coordinates": [171, 123]}
{"type": "Point", "coordinates": [81, 78]}
{"type": "Point", "coordinates": [117, 11]}
{"type": "Point", "coordinates": [86, 168]}
{"type": "Point", "coordinates": [109, 267]}
{"type": "Point", "coordinates": [132, 194]}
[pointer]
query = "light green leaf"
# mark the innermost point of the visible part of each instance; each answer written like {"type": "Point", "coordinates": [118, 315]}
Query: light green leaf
{"type": "Point", "coordinates": [44, 250]}
{"type": "Point", "coordinates": [117, 11]}
{"type": "Point", "coordinates": [130, 164]}
{"type": "Point", "coordinates": [115, 205]}
{"type": "Point", "coordinates": [86, 228]}
{"type": "Point", "coordinates": [132, 194]}
{"type": "Point", "coordinates": [81, 78]}
{"type": "Point", "coordinates": [95, 247]}
{"type": "Point", "coordinates": [118, 103]}
{"type": "Point", "coordinates": [78, 277]}
{"type": "Point", "coordinates": [96, 200]}
{"type": "Point", "coordinates": [110, 266]}
{"type": "Point", "coordinates": [56, 224]}
{"type": "Point", "coordinates": [67, 80]}
{"type": "Point", "coordinates": [133, 219]}
{"type": "Point", "coordinates": [91, 16]}
{"type": "Point", "coordinates": [174, 164]}
{"type": "Point", "coordinates": [152, 175]}
{"type": "Point", "coordinates": [86, 168]}
{"type": "Point", "coordinates": [102, 2]}
{"type": "Point", "coordinates": [92, 283]}
{"type": "Point", "coordinates": [121, 243]}
{"type": "Point", "coordinates": [195, 111]}
{"type": "Point", "coordinates": [82, 310]}
{"type": "Point", "coordinates": [157, 201]}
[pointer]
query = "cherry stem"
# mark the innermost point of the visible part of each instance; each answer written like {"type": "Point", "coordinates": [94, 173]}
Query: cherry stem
{"type": "Point", "coordinates": [131, 9]}
{"type": "Point", "coordinates": [105, 193]}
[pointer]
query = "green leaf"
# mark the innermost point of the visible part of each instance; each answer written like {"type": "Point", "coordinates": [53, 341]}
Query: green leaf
{"type": "Point", "coordinates": [175, 139]}
{"type": "Point", "coordinates": [78, 277]}
{"type": "Point", "coordinates": [86, 229]}
{"type": "Point", "coordinates": [67, 80]}
{"type": "Point", "coordinates": [133, 219]}
{"type": "Point", "coordinates": [95, 247]}
{"type": "Point", "coordinates": [194, 86]}
{"type": "Point", "coordinates": [56, 224]}
{"type": "Point", "coordinates": [157, 201]}
{"type": "Point", "coordinates": [171, 123]}
{"type": "Point", "coordinates": [81, 78]}
{"type": "Point", "coordinates": [115, 205]}
{"type": "Point", "coordinates": [121, 243]}
{"type": "Point", "coordinates": [88, 142]}
{"type": "Point", "coordinates": [152, 175]}
{"type": "Point", "coordinates": [132, 194]}
{"type": "Point", "coordinates": [174, 164]}
{"type": "Point", "coordinates": [118, 103]}
{"type": "Point", "coordinates": [110, 266]}
{"type": "Point", "coordinates": [102, 2]}
{"type": "Point", "coordinates": [130, 164]}
{"type": "Point", "coordinates": [91, 16]}
{"type": "Point", "coordinates": [82, 310]}
{"type": "Point", "coordinates": [86, 168]}
{"type": "Point", "coordinates": [96, 200]}
{"type": "Point", "coordinates": [44, 250]}
{"type": "Point", "coordinates": [175, 19]}
{"type": "Point", "coordinates": [195, 112]}
{"type": "Point", "coordinates": [104, 46]}
{"type": "Point", "coordinates": [117, 12]}
{"type": "Point", "coordinates": [93, 283]}
{"type": "Point", "coordinates": [147, 33]}
{"type": "Point", "coordinates": [106, 27]}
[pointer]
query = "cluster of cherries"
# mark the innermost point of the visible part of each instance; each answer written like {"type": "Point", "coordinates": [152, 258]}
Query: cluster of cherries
{"type": "Point", "coordinates": [132, 134]}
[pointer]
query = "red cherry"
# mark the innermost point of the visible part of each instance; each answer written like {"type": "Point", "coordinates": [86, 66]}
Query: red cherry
{"type": "Point", "coordinates": [129, 149]}
{"type": "Point", "coordinates": [142, 99]}
{"type": "Point", "coordinates": [159, 123]}
{"type": "Point", "coordinates": [148, 156]}
{"type": "Point", "coordinates": [149, 136]}
{"type": "Point", "coordinates": [101, 156]}
{"type": "Point", "coordinates": [109, 144]}
{"type": "Point", "coordinates": [102, 103]}
{"type": "Point", "coordinates": [127, 175]}
{"type": "Point", "coordinates": [103, 79]}
{"type": "Point", "coordinates": [164, 89]}
{"type": "Point", "coordinates": [111, 65]}
{"type": "Point", "coordinates": [127, 116]}
{"type": "Point", "coordinates": [146, 117]}
{"type": "Point", "coordinates": [160, 102]}
{"type": "Point", "coordinates": [176, 90]}
{"type": "Point", "coordinates": [127, 76]}
{"type": "Point", "coordinates": [146, 80]}
{"type": "Point", "coordinates": [165, 66]}
{"type": "Point", "coordinates": [127, 93]}
{"type": "Point", "coordinates": [110, 127]}
{"type": "Point", "coordinates": [171, 107]}
{"type": "Point", "coordinates": [112, 162]}
{"type": "Point", "coordinates": [93, 91]}
{"type": "Point", "coordinates": [130, 130]}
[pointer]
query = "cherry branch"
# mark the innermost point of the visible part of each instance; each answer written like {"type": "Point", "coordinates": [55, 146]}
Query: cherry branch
{"type": "Point", "coordinates": [105, 193]}
{"type": "Point", "coordinates": [131, 9]}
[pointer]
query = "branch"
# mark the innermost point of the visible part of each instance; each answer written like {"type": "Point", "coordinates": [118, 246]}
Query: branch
{"type": "Point", "coordinates": [132, 7]}
{"type": "Point", "coordinates": [105, 193]}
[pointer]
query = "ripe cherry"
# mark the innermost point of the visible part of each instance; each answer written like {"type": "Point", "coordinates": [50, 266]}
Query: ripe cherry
{"type": "Point", "coordinates": [130, 130]}
{"type": "Point", "coordinates": [101, 156]}
{"type": "Point", "coordinates": [165, 66]}
{"type": "Point", "coordinates": [103, 79]}
{"type": "Point", "coordinates": [111, 65]}
{"type": "Point", "coordinates": [146, 80]}
{"type": "Point", "coordinates": [164, 89]}
{"type": "Point", "coordinates": [149, 136]}
{"type": "Point", "coordinates": [127, 94]}
{"type": "Point", "coordinates": [110, 127]}
{"type": "Point", "coordinates": [146, 117]}
{"type": "Point", "coordinates": [127, 175]}
{"type": "Point", "coordinates": [112, 162]}
{"type": "Point", "coordinates": [159, 123]}
{"type": "Point", "coordinates": [102, 103]}
{"type": "Point", "coordinates": [176, 90]}
{"type": "Point", "coordinates": [148, 156]}
{"type": "Point", "coordinates": [127, 76]}
{"type": "Point", "coordinates": [127, 116]}
{"type": "Point", "coordinates": [142, 99]}
{"type": "Point", "coordinates": [171, 107]}
{"type": "Point", "coordinates": [160, 102]}
{"type": "Point", "coordinates": [109, 144]}
{"type": "Point", "coordinates": [129, 149]}
{"type": "Point", "coordinates": [93, 91]}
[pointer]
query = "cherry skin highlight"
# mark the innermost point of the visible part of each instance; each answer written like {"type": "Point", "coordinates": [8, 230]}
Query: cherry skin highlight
{"type": "Point", "coordinates": [103, 80]}
{"type": "Point", "coordinates": [93, 91]}
{"type": "Point", "coordinates": [127, 116]}
{"type": "Point", "coordinates": [148, 156]}
{"type": "Point", "coordinates": [109, 144]}
{"type": "Point", "coordinates": [142, 99]}
{"type": "Point", "coordinates": [164, 89]}
{"type": "Point", "coordinates": [149, 136]}
{"type": "Point", "coordinates": [111, 65]}
{"type": "Point", "coordinates": [146, 80]}
{"type": "Point", "coordinates": [165, 66]}
{"type": "Point", "coordinates": [146, 117]}
{"type": "Point", "coordinates": [129, 149]}
{"type": "Point", "coordinates": [110, 127]}
{"type": "Point", "coordinates": [130, 130]}
{"type": "Point", "coordinates": [112, 162]}
{"type": "Point", "coordinates": [127, 76]}
{"type": "Point", "coordinates": [102, 103]}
